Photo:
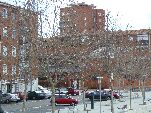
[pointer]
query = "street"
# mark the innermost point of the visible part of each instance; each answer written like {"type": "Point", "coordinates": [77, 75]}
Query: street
{"type": "Point", "coordinates": [44, 106]}
{"type": "Point", "coordinates": [35, 106]}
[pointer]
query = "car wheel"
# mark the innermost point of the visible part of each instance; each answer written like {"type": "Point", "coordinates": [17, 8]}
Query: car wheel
{"type": "Point", "coordinates": [7, 101]}
{"type": "Point", "coordinates": [72, 104]}
{"type": "Point", "coordinates": [34, 98]}
{"type": "Point", "coordinates": [75, 104]}
{"type": "Point", "coordinates": [56, 103]}
{"type": "Point", "coordinates": [49, 97]}
{"type": "Point", "coordinates": [108, 98]}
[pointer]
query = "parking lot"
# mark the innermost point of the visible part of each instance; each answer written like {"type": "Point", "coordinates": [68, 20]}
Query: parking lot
{"type": "Point", "coordinates": [44, 106]}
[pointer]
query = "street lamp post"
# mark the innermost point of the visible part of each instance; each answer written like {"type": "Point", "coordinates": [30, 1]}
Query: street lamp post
{"type": "Point", "coordinates": [144, 90]}
{"type": "Point", "coordinates": [99, 81]}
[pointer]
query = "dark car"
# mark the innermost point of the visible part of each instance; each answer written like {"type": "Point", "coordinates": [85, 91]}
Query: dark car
{"type": "Point", "coordinates": [35, 95]}
{"type": "Point", "coordinates": [65, 100]}
{"type": "Point", "coordinates": [72, 91]}
{"type": "Point", "coordinates": [6, 98]}
{"type": "Point", "coordinates": [115, 95]}
{"type": "Point", "coordinates": [88, 93]}
{"type": "Point", "coordinates": [96, 96]}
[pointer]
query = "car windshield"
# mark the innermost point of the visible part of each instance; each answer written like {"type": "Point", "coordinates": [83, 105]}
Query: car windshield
{"type": "Point", "coordinates": [63, 89]}
{"type": "Point", "coordinates": [61, 96]}
{"type": "Point", "coordinates": [38, 91]}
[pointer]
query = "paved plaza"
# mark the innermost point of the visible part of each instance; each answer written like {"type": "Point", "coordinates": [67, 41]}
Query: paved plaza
{"type": "Point", "coordinates": [120, 106]}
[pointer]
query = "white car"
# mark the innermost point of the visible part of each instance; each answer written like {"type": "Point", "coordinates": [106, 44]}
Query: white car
{"type": "Point", "coordinates": [45, 90]}
{"type": "Point", "coordinates": [62, 90]}
{"type": "Point", "coordinates": [47, 93]}
{"type": "Point", "coordinates": [14, 97]}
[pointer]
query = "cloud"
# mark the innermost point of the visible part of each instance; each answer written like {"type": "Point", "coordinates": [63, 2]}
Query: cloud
{"type": "Point", "coordinates": [133, 12]}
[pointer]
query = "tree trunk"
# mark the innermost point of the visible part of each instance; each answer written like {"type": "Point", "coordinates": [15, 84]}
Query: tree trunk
{"type": "Point", "coordinates": [24, 101]}
{"type": "Point", "coordinates": [53, 97]}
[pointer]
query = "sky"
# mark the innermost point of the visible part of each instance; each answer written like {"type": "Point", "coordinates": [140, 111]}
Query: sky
{"type": "Point", "coordinates": [135, 13]}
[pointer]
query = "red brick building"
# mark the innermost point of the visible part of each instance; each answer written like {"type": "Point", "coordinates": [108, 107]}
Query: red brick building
{"type": "Point", "coordinates": [130, 39]}
{"type": "Point", "coordinates": [81, 18]}
{"type": "Point", "coordinates": [9, 43]}
{"type": "Point", "coordinates": [11, 19]}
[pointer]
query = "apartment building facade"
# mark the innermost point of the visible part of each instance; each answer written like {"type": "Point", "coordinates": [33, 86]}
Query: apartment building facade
{"type": "Point", "coordinates": [81, 18]}
{"type": "Point", "coordinates": [10, 49]}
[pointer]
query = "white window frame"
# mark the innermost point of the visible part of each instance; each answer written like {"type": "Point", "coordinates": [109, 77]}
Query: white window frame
{"type": "Point", "coordinates": [0, 47]}
{"type": "Point", "coordinates": [13, 51]}
{"type": "Point", "coordinates": [4, 69]}
{"type": "Point", "coordinates": [5, 32]}
{"type": "Point", "coordinates": [14, 16]}
{"type": "Point", "coordinates": [63, 13]}
{"type": "Point", "coordinates": [5, 51]}
{"type": "Point", "coordinates": [14, 33]}
{"type": "Point", "coordinates": [100, 20]}
{"type": "Point", "coordinates": [100, 14]}
{"type": "Point", "coordinates": [13, 70]}
{"type": "Point", "coordinates": [4, 13]}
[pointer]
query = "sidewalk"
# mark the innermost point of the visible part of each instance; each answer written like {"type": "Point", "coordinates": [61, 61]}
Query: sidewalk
{"type": "Point", "coordinates": [137, 106]}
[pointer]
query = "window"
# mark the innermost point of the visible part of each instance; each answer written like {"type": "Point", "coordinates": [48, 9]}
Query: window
{"type": "Point", "coordinates": [14, 33]}
{"type": "Point", "coordinates": [143, 39]}
{"type": "Point", "coordinates": [0, 47]}
{"type": "Point", "coordinates": [13, 51]}
{"type": "Point", "coordinates": [4, 69]}
{"type": "Point", "coordinates": [4, 13]}
{"type": "Point", "coordinates": [4, 51]}
{"type": "Point", "coordinates": [5, 32]}
{"type": "Point", "coordinates": [22, 51]}
{"type": "Point", "coordinates": [14, 70]}
{"type": "Point", "coordinates": [85, 24]}
{"type": "Point", "coordinates": [14, 15]}
{"type": "Point", "coordinates": [100, 20]}
{"type": "Point", "coordinates": [99, 14]}
{"type": "Point", "coordinates": [63, 13]}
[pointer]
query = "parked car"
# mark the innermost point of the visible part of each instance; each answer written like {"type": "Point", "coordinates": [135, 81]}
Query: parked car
{"type": "Point", "coordinates": [21, 95]}
{"type": "Point", "coordinates": [62, 90]}
{"type": "Point", "coordinates": [96, 96]}
{"type": "Point", "coordinates": [35, 95]}
{"type": "Point", "coordinates": [47, 93]}
{"type": "Point", "coordinates": [72, 91]}
{"type": "Point", "coordinates": [45, 90]}
{"type": "Point", "coordinates": [115, 95]}
{"type": "Point", "coordinates": [8, 97]}
{"type": "Point", "coordinates": [88, 93]}
{"type": "Point", "coordinates": [14, 97]}
{"type": "Point", "coordinates": [65, 100]}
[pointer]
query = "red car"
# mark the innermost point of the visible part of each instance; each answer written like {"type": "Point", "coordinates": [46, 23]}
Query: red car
{"type": "Point", "coordinates": [72, 91]}
{"type": "Point", "coordinates": [115, 95]}
{"type": "Point", "coordinates": [65, 100]}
